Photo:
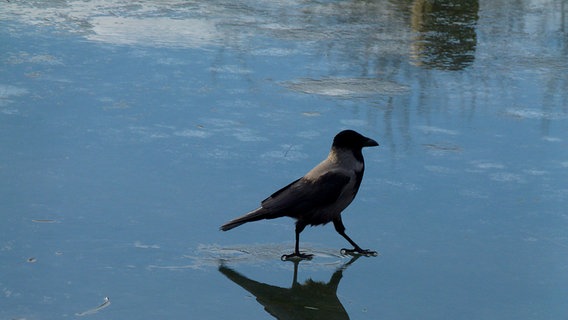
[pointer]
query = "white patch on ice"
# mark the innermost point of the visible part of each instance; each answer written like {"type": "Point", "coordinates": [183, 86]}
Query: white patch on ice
{"type": "Point", "coordinates": [220, 154]}
{"type": "Point", "coordinates": [487, 165]}
{"type": "Point", "coordinates": [552, 139]}
{"type": "Point", "coordinates": [531, 113]}
{"type": "Point", "coordinates": [274, 52]}
{"type": "Point", "coordinates": [158, 31]}
{"type": "Point", "coordinates": [403, 185]}
{"type": "Point", "coordinates": [432, 129]}
{"type": "Point", "coordinates": [310, 134]}
{"type": "Point", "coordinates": [140, 245]}
{"type": "Point", "coordinates": [190, 133]}
{"type": "Point", "coordinates": [474, 194]}
{"type": "Point", "coordinates": [288, 152]}
{"type": "Point", "coordinates": [439, 169]}
{"type": "Point", "coordinates": [7, 91]}
{"type": "Point", "coordinates": [345, 87]}
{"type": "Point", "coordinates": [507, 177]}
{"type": "Point", "coordinates": [536, 172]}
{"type": "Point", "coordinates": [233, 69]}
{"type": "Point", "coordinates": [247, 135]}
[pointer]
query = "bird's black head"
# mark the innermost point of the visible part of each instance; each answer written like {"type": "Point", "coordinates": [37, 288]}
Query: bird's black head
{"type": "Point", "coordinates": [349, 139]}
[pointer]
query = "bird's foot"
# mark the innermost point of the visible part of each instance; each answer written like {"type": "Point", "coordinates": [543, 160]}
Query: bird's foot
{"type": "Point", "coordinates": [296, 256]}
{"type": "Point", "coordinates": [359, 252]}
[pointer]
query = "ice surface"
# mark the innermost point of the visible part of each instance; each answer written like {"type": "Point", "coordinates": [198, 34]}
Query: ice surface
{"type": "Point", "coordinates": [131, 130]}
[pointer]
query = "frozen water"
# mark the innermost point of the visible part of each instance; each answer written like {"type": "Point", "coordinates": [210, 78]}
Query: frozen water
{"type": "Point", "coordinates": [131, 130]}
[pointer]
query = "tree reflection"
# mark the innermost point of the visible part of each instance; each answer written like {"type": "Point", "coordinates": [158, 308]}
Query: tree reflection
{"type": "Point", "coordinates": [522, 44]}
{"type": "Point", "coordinates": [310, 300]}
{"type": "Point", "coordinates": [447, 36]}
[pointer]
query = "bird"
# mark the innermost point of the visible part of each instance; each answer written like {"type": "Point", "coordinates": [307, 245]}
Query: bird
{"type": "Point", "coordinates": [320, 195]}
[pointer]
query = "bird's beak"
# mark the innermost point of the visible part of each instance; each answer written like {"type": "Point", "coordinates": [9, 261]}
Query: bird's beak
{"type": "Point", "coordinates": [371, 143]}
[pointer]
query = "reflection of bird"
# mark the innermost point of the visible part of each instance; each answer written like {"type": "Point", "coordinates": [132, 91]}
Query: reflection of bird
{"type": "Point", "coordinates": [321, 195]}
{"type": "Point", "coordinates": [311, 300]}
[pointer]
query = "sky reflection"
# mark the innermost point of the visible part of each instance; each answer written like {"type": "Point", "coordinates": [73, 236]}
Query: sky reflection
{"type": "Point", "coordinates": [131, 130]}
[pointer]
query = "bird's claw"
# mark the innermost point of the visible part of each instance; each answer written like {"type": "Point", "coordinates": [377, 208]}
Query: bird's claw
{"type": "Point", "coordinates": [296, 256]}
{"type": "Point", "coordinates": [359, 252]}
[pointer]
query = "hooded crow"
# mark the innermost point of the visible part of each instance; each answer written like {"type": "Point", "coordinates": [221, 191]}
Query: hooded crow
{"type": "Point", "coordinates": [321, 195]}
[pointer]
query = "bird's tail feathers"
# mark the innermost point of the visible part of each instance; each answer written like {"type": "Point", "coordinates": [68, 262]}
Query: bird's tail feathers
{"type": "Point", "coordinates": [254, 215]}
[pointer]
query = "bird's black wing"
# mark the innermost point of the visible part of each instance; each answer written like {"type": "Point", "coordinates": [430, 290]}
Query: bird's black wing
{"type": "Point", "coordinates": [304, 195]}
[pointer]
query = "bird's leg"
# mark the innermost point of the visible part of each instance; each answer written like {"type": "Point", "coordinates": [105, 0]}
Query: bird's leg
{"type": "Point", "coordinates": [340, 228]}
{"type": "Point", "coordinates": [297, 254]}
